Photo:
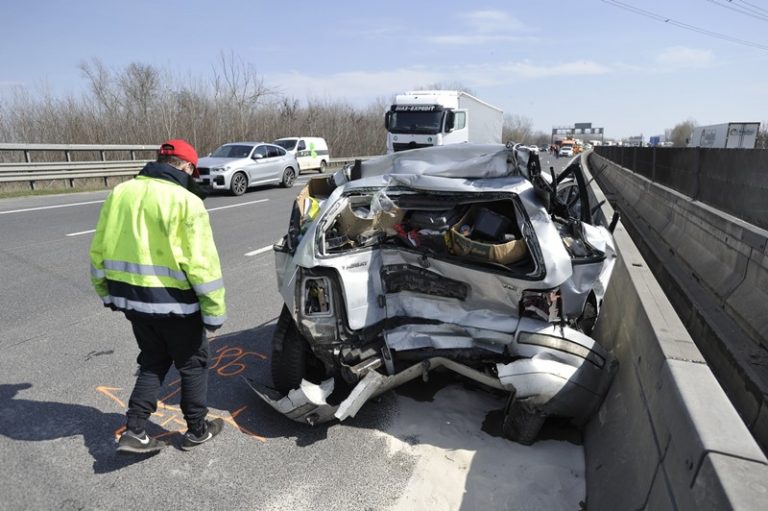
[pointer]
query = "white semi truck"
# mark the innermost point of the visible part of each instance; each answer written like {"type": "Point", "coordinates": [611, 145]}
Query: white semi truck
{"type": "Point", "coordinates": [741, 135]}
{"type": "Point", "coordinates": [438, 117]}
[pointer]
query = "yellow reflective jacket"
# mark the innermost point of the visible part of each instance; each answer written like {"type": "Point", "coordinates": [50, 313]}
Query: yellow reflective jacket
{"type": "Point", "coordinates": [153, 253]}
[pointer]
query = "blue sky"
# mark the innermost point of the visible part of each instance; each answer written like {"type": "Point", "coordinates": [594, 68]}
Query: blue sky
{"type": "Point", "coordinates": [555, 62]}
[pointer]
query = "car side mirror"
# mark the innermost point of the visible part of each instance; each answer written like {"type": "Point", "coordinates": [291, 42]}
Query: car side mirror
{"type": "Point", "coordinates": [387, 120]}
{"type": "Point", "coordinates": [257, 156]}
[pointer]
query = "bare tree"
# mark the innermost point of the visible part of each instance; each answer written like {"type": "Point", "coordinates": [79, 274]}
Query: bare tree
{"type": "Point", "coordinates": [517, 128]}
{"type": "Point", "coordinates": [680, 134]}
{"type": "Point", "coordinates": [762, 136]}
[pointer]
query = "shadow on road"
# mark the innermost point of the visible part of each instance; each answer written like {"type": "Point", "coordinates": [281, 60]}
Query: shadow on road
{"type": "Point", "coordinates": [36, 421]}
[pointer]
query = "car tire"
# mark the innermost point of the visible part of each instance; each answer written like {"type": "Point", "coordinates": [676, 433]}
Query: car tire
{"type": "Point", "coordinates": [289, 354]}
{"type": "Point", "coordinates": [289, 176]}
{"type": "Point", "coordinates": [239, 184]}
{"type": "Point", "coordinates": [323, 166]}
{"type": "Point", "coordinates": [588, 318]}
{"type": "Point", "coordinates": [520, 424]}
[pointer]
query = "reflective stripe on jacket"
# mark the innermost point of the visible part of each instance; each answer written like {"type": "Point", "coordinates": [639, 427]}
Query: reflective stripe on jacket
{"type": "Point", "coordinates": [153, 251]}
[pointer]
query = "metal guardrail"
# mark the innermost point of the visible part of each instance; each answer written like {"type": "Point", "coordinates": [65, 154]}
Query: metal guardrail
{"type": "Point", "coordinates": [35, 173]}
{"type": "Point", "coordinates": [68, 149]}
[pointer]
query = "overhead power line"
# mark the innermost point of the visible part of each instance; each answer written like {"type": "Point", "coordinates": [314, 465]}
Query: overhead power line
{"type": "Point", "coordinates": [746, 9]}
{"type": "Point", "coordinates": [686, 26]}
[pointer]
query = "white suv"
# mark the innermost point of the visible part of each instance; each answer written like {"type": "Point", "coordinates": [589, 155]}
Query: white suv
{"type": "Point", "coordinates": [238, 166]}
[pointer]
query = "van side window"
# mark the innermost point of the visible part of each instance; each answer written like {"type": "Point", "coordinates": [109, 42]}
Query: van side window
{"type": "Point", "coordinates": [461, 120]}
{"type": "Point", "coordinates": [302, 146]}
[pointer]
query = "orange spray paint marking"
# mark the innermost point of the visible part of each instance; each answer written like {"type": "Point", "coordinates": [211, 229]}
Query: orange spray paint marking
{"type": "Point", "coordinates": [228, 362]}
{"type": "Point", "coordinates": [107, 392]}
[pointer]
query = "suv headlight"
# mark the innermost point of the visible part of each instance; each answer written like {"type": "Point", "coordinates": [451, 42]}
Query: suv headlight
{"type": "Point", "coordinates": [219, 169]}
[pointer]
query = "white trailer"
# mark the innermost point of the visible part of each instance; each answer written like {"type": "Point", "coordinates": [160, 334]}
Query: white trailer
{"type": "Point", "coordinates": [741, 135]}
{"type": "Point", "coordinates": [438, 117]}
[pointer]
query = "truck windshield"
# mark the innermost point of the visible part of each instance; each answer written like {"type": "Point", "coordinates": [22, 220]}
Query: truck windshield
{"type": "Point", "coordinates": [416, 122]}
{"type": "Point", "coordinates": [288, 144]}
{"type": "Point", "coordinates": [232, 151]}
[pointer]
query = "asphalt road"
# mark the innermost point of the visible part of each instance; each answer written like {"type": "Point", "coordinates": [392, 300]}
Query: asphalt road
{"type": "Point", "coordinates": [67, 366]}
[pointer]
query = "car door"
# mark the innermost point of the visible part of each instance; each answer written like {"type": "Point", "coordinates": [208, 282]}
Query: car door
{"type": "Point", "coordinates": [258, 170]}
{"type": "Point", "coordinates": [276, 160]}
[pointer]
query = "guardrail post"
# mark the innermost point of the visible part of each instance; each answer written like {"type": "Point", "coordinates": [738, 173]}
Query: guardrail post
{"type": "Point", "coordinates": [103, 155]}
{"type": "Point", "coordinates": [133, 154]}
{"type": "Point", "coordinates": [68, 155]}
{"type": "Point", "coordinates": [27, 156]}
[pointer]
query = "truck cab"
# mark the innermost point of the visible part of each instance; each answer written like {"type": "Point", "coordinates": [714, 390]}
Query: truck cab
{"type": "Point", "coordinates": [428, 118]}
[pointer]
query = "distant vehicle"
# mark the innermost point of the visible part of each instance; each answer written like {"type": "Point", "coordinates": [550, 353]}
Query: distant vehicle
{"type": "Point", "coordinates": [310, 152]}
{"type": "Point", "coordinates": [439, 117]}
{"type": "Point", "coordinates": [566, 150]}
{"type": "Point", "coordinates": [238, 166]}
{"type": "Point", "coordinates": [741, 135]}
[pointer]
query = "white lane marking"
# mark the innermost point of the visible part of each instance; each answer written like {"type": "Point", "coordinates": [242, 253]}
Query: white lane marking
{"type": "Point", "coordinates": [51, 207]}
{"type": "Point", "coordinates": [259, 251]}
{"type": "Point", "coordinates": [81, 232]}
{"type": "Point", "coordinates": [212, 209]}
{"type": "Point", "coordinates": [238, 205]}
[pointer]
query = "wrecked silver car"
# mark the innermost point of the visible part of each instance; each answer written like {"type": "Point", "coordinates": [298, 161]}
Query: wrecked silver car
{"type": "Point", "coordinates": [466, 257]}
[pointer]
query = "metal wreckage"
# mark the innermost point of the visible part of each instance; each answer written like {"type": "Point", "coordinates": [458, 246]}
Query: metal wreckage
{"type": "Point", "coordinates": [465, 257]}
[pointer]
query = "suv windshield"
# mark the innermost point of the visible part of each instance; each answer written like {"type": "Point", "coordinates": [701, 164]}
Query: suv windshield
{"type": "Point", "coordinates": [416, 122]}
{"type": "Point", "coordinates": [288, 144]}
{"type": "Point", "coordinates": [232, 151]}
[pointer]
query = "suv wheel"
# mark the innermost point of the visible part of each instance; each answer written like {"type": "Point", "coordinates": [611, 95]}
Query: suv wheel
{"type": "Point", "coordinates": [323, 166]}
{"type": "Point", "coordinates": [520, 424]}
{"type": "Point", "coordinates": [289, 355]}
{"type": "Point", "coordinates": [289, 176]}
{"type": "Point", "coordinates": [239, 184]}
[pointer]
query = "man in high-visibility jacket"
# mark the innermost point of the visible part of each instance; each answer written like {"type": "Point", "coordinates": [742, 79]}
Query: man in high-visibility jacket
{"type": "Point", "coordinates": [153, 258]}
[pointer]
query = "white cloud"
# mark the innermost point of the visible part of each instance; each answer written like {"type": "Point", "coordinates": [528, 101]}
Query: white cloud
{"type": "Point", "coordinates": [482, 27]}
{"type": "Point", "coordinates": [354, 86]}
{"type": "Point", "coordinates": [680, 57]}
{"type": "Point", "coordinates": [578, 68]}
{"type": "Point", "coordinates": [493, 22]}
{"type": "Point", "coordinates": [469, 39]}
{"type": "Point", "coordinates": [363, 86]}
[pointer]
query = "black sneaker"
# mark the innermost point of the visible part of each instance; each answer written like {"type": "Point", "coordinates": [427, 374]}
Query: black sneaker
{"type": "Point", "coordinates": [130, 442]}
{"type": "Point", "coordinates": [212, 429]}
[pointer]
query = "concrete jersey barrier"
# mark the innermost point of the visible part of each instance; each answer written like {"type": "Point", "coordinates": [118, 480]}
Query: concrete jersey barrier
{"type": "Point", "coordinates": [666, 436]}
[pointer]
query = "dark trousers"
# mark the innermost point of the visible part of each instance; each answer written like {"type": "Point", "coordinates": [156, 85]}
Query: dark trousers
{"type": "Point", "coordinates": [179, 341]}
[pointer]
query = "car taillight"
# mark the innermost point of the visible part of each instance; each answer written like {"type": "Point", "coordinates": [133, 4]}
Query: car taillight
{"type": "Point", "coordinates": [544, 305]}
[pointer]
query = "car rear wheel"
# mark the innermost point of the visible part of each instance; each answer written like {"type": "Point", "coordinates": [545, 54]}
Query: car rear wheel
{"type": "Point", "coordinates": [292, 357]}
{"type": "Point", "coordinates": [239, 184]}
{"type": "Point", "coordinates": [323, 166]}
{"type": "Point", "coordinates": [289, 355]}
{"type": "Point", "coordinates": [289, 176]}
{"type": "Point", "coordinates": [521, 425]}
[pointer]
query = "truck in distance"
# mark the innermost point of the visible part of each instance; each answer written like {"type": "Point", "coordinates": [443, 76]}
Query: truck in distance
{"type": "Point", "coordinates": [438, 117]}
{"type": "Point", "coordinates": [740, 135]}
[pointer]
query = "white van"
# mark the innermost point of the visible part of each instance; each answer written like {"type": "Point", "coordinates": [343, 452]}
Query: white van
{"type": "Point", "coordinates": [310, 152]}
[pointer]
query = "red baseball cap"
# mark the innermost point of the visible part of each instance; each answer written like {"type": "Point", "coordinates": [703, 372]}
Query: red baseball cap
{"type": "Point", "coordinates": [180, 149]}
